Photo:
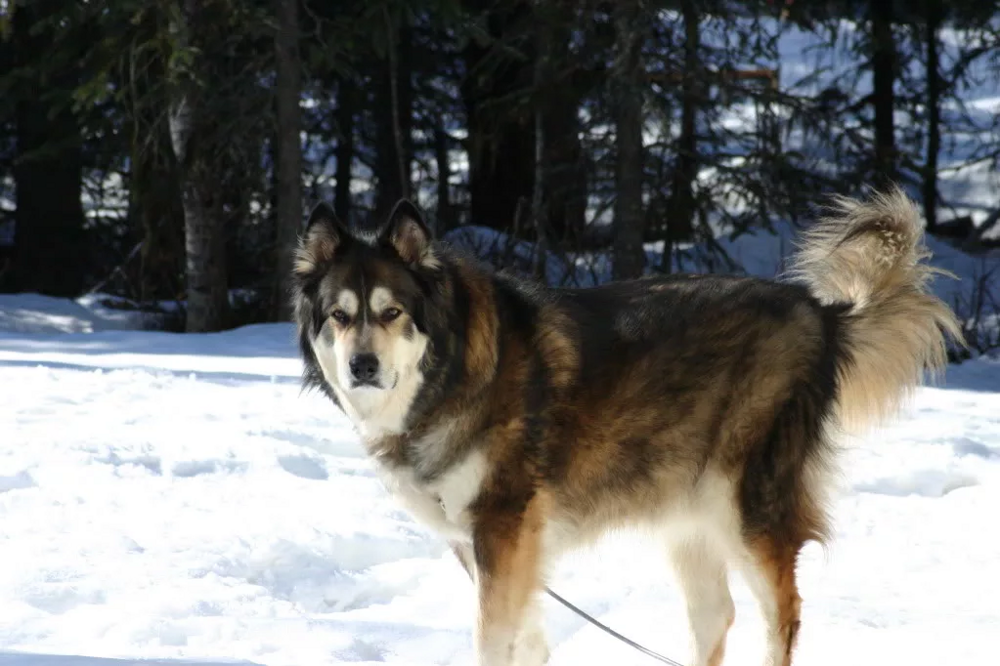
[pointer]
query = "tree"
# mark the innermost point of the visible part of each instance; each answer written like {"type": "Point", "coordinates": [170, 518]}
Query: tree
{"type": "Point", "coordinates": [680, 224]}
{"type": "Point", "coordinates": [540, 196]}
{"type": "Point", "coordinates": [207, 292]}
{"type": "Point", "coordinates": [289, 148]}
{"type": "Point", "coordinates": [884, 67]}
{"type": "Point", "coordinates": [445, 213]}
{"type": "Point", "coordinates": [629, 257]}
{"type": "Point", "coordinates": [501, 137]}
{"type": "Point", "coordinates": [393, 109]}
{"type": "Point", "coordinates": [558, 103]}
{"type": "Point", "coordinates": [346, 109]}
{"type": "Point", "coordinates": [50, 252]}
{"type": "Point", "coordinates": [933, 16]}
{"type": "Point", "coordinates": [154, 185]}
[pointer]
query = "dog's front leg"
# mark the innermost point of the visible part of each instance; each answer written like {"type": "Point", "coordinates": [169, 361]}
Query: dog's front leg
{"type": "Point", "coordinates": [506, 548]}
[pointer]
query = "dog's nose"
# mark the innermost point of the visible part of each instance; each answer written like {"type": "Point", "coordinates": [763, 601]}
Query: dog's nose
{"type": "Point", "coordinates": [364, 367]}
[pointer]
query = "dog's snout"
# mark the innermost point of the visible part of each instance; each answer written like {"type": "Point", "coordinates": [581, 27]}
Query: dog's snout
{"type": "Point", "coordinates": [364, 367]}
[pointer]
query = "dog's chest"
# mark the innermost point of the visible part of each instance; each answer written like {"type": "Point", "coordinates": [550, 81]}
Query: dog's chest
{"type": "Point", "coordinates": [441, 504]}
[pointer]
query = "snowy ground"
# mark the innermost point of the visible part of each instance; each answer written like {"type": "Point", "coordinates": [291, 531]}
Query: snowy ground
{"type": "Point", "coordinates": [176, 497]}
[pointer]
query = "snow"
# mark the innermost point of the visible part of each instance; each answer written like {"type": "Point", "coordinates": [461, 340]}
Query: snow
{"type": "Point", "coordinates": [36, 313]}
{"type": "Point", "coordinates": [179, 498]}
{"type": "Point", "coordinates": [27, 659]}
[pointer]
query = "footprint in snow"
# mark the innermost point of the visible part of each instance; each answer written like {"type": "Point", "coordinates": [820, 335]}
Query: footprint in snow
{"type": "Point", "coordinates": [151, 463]}
{"type": "Point", "coordinates": [58, 597]}
{"type": "Point", "coordinates": [191, 468]}
{"type": "Point", "coordinates": [925, 483]}
{"type": "Point", "coordinates": [336, 445]}
{"type": "Point", "coordinates": [970, 447]}
{"type": "Point", "coordinates": [361, 650]}
{"type": "Point", "coordinates": [304, 467]}
{"type": "Point", "coordinates": [16, 481]}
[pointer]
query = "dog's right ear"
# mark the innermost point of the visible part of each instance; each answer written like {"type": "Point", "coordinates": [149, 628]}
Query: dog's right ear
{"type": "Point", "coordinates": [324, 235]}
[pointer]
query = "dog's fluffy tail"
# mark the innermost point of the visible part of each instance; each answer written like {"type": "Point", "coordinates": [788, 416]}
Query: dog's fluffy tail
{"type": "Point", "coordinates": [870, 255]}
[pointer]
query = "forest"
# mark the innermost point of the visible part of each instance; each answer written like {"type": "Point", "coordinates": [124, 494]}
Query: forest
{"type": "Point", "coordinates": [165, 152]}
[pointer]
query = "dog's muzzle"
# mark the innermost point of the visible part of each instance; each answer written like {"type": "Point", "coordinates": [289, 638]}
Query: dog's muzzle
{"type": "Point", "coordinates": [364, 370]}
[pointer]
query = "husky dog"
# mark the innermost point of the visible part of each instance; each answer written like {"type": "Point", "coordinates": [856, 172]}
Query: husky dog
{"type": "Point", "coordinates": [521, 421]}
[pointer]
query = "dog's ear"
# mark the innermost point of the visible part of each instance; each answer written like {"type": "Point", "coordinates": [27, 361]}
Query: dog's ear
{"type": "Point", "coordinates": [408, 235]}
{"type": "Point", "coordinates": [324, 235]}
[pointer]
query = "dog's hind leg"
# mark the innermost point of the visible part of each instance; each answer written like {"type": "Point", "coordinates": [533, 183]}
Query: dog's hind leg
{"type": "Point", "coordinates": [701, 574]}
{"type": "Point", "coordinates": [770, 573]}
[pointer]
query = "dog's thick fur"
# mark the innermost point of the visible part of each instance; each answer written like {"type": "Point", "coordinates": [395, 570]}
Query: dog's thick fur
{"type": "Point", "coordinates": [522, 421]}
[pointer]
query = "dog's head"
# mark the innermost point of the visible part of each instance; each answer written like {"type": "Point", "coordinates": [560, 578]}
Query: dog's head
{"type": "Point", "coordinates": [362, 308]}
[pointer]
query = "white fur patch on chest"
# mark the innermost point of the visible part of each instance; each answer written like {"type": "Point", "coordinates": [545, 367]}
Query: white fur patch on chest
{"type": "Point", "coordinates": [441, 504]}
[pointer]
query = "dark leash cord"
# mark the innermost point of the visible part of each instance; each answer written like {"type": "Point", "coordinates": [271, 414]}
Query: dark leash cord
{"type": "Point", "coordinates": [603, 627]}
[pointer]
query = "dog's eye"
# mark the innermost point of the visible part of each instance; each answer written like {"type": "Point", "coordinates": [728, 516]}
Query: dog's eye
{"type": "Point", "coordinates": [390, 313]}
{"type": "Point", "coordinates": [340, 316]}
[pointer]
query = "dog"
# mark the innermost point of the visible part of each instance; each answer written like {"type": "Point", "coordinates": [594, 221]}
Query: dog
{"type": "Point", "coordinates": [521, 421]}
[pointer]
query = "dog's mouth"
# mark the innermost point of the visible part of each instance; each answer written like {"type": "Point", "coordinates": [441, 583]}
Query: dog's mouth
{"type": "Point", "coordinates": [367, 384]}
{"type": "Point", "coordinates": [373, 384]}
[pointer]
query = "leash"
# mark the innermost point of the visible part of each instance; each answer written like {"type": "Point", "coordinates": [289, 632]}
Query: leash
{"type": "Point", "coordinates": [603, 627]}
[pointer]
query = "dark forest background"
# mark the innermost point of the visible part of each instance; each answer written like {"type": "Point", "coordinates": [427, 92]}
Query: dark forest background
{"type": "Point", "coordinates": [164, 151]}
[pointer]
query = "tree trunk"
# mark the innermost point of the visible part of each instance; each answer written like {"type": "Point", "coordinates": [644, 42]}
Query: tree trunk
{"type": "Point", "coordinates": [445, 211]}
{"type": "Point", "coordinates": [346, 100]}
{"type": "Point", "coordinates": [154, 187]}
{"type": "Point", "coordinates": [156, 200]}
{"type": "Point", "coordinates": [49, 251]}
{"type": "Point", "coordinates": [289, 149]}
{"type": "Point", "coordinates": [934, 16]}
{"type": "Point", "coordinates": [207, 293]}
{"type": "Point", "coordinates": [680, 222]}
{"type": "Point", "coordinates": [565, 179]}
{"type": "Point", "coordinates": [501, 143]}
{"type": "Point", "coordinates": [394, 116]}
{"type": "Point", "coordinates": [628, 259]}
{"type": "Point", "coordinates": [883, 95]}
{"type": "Point", "coordinates": [542, 80]}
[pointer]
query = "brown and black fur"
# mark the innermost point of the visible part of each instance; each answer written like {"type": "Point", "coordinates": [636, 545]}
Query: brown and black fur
{"type": "Point", "coordinates": [704, 406]}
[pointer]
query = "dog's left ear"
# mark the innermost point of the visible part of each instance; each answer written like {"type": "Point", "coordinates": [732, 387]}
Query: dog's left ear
{"type": "Point", "coordinates": [408, 235]}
